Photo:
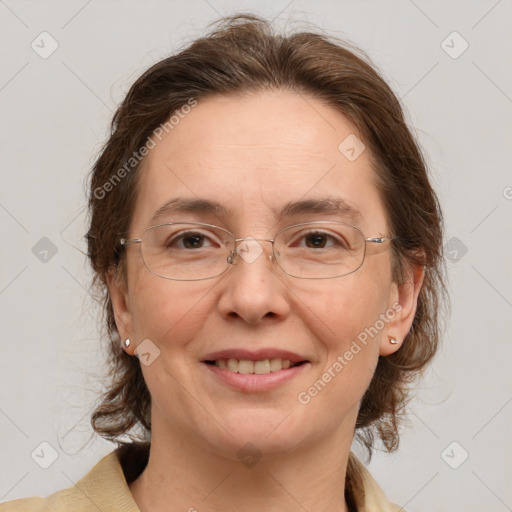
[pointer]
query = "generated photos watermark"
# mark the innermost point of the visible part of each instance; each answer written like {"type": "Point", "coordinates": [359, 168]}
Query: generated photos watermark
{"type": "Point", "coordinates": [137, 156]}
{"type": "Point", "coordinates": [305, 397]}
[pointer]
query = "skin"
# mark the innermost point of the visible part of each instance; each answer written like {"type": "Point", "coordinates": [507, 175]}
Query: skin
{"type": "Point", "coordinates": [254, 153]}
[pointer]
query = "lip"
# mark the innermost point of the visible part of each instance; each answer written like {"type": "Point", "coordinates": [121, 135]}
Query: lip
{"type": "Point", "coordinates": [254, 355]}
{"type": "Point", "coordinates": [253, 383]}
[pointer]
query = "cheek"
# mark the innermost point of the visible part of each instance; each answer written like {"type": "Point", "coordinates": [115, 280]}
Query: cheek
{"type": "Point", "coordinates": [348, 317]}
{"type": "Point", "coordinates": [338, 311]}
{"type": "Point", "coordinates": [165, 310]}
{"type": "Point", "coordinates": [346, 321]}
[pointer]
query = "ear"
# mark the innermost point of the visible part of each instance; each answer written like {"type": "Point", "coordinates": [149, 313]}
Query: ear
{"type": "Point", "coordinates": [120, 302]}
{"type": "Point", "coordinates": [404, 298]}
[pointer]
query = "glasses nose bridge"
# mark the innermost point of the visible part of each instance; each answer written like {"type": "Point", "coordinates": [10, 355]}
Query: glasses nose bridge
{"type": "Point", "coordinates": [239, 240]}
{"type": "Point", "coordinates": [238, 251]}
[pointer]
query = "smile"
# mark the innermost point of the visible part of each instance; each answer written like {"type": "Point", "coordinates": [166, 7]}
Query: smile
{"type": "Point", "coordinates": [261, 367]}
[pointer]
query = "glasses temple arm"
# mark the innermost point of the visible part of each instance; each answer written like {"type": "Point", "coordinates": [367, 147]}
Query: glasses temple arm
{"type": "Point", "coordinates": [379, 240]}
{"type": "Point", "coordinates": [125, 241]}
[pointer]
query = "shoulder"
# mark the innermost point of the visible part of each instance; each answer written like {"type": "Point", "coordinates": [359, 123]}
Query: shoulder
{"type": "Point", "coordinates": [57, 502]}
{"type": "Point", "coordinates": [104, 487]}
{"type": "Point", "coordinates": [364, 490]}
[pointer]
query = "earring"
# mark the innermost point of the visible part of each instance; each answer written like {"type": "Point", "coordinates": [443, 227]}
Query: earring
{"type": "Point", "coordinates": [127, 342]}
{"type": "Point", "coordinates": [392, 340]}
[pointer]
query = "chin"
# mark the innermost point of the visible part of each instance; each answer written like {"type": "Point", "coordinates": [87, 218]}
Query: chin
{"type": "Point", "coordinates": [267, 431]}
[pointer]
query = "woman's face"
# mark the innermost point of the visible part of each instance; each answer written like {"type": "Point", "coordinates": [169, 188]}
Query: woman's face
{"type": "Point", "coordinates": [255, 155]}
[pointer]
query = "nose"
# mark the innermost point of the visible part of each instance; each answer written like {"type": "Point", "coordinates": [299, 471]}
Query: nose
{"type": "Point", "coordinates": [253, 290]}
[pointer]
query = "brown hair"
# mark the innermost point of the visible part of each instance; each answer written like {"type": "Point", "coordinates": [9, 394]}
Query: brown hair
{"type": "Point", "coordinates": [240, 55]}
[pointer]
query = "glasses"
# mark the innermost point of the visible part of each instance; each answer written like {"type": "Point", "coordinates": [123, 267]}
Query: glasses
{"type": "Point", "coordinates": [193, 251]}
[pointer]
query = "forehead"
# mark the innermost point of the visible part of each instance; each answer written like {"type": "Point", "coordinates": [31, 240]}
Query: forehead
{"type": "Point", "coordinates": [257, 154]}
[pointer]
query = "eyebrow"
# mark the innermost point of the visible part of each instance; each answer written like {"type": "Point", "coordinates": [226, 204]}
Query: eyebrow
{"type": "Point", "coordinates": [180, 205]}
{"type": "Point", "coordinates": [330, 205]}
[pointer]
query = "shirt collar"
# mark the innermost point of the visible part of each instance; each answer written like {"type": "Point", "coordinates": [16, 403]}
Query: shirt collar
{"type": "Point", "coordinates": [126, 463]}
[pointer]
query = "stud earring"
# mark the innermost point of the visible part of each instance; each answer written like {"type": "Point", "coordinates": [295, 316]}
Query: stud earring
{"type": "Point", "coordinates": [392, 340]}
{"type": "Point", "coordinates": [127, 342]}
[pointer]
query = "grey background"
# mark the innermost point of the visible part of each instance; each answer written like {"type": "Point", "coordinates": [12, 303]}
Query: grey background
{"type": "Point", "coordinates": [55, 115]}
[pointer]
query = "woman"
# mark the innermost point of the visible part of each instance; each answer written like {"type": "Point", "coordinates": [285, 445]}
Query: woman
{"type": "Point", "coordinates": [269, 247]}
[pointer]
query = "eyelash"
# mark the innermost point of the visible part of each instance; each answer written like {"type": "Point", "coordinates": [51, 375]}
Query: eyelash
{"type": "Point", "coordinates": [180, 237]}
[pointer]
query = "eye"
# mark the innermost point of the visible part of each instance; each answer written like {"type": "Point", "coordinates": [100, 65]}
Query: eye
{"type": "Point", "coordinates": [320, 240]}
{"type": "Point", "coordinates": [316, 240]}
{"type": "Point", "coordinates": [190, 240]}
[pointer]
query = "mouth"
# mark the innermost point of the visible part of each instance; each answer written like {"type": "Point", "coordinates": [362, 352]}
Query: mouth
{"type": "Point", "coordinates": [252, 371]}
{"type": "Point", "coordinates": [258, 367]}
{"type": "Point", "coordinates": [248, 376]}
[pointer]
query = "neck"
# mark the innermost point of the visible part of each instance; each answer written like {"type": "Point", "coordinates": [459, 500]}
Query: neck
{"type": "Point", "coordinates": [182, 475]}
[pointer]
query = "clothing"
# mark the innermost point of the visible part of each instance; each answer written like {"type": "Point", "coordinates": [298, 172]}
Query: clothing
{"type": "Point", "coordinates": [105, 487]}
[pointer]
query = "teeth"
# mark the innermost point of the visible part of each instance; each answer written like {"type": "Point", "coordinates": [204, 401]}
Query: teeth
{"type": "Point", "coordinates": [232, 365]}
{"type": "Point", "coordinates": [246, 366]}
{"type": "Point", "coordinates": [261, 367]}
{"type": "Point", "coordinates": [276, 365]}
